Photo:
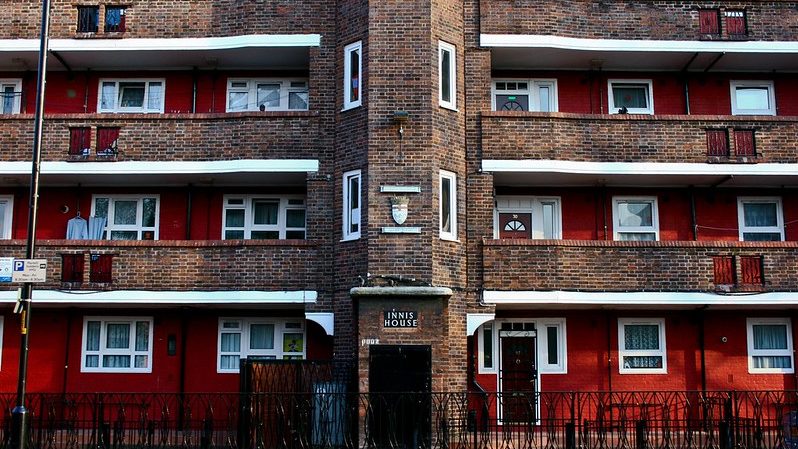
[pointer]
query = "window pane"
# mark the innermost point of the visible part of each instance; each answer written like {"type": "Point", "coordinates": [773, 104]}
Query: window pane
{"type": "Point", "coordinates": [101, 207]}
{"type": "Point", "coordinates": [269, 95]}
{"type": "Point", "coordinates": [231, 342]}
{"type": "Point", "coordinates": [265, 212]}
{"type": "Point", "coordinates": [642, 362]}
{"type": "Point", "coordinates": [124, 235]}
{"type": "Point", "coordinates": [295, 218]}
{"type": "Point", "coordinates": [117, 336]}
{"type": "Point", "coordinates": [354, 75]}
{"type": "Point", "coordinates": [512, 102]}
{"type": "Point", "coordinates": [641, 337]}
{"type": "Point", "coordinates": [261, 336]}
{"type": "Point", "coordinates": [237, 101]}
{"type": "Point", "coordinates": [234, 218]}
{"type": "Point", "coordinates": [752, 98]}
{"type": "Point", "coordinates": [770, 336]}
{"type": "Point", "coordinates": [637, 236]}
{"type": "Point", "coordinates": [108, 97]}
{"type": "Point", "coordinates": [296, 235]}
{"type": "Point", "coordinates": [487, 346]}
{"type": "Point", "coordinates": [446, 76]}
{"type": "Point", "coordinates": [93, 336]}
{"type": "Point", "coordinates": [148, 212]}
{"type": "Point", "coordinates": [630, 96]}
{"type": "Point", "coordinates": [125, 212]}
{"type": "Point", "coordinates": [544, 93]}
{"type": "Point", "coordinates": [116, 361]}
{"type": "Point", "coordinates": [8, 99]}
{"type": "Point", "coordinates": [775, 361]}
{"type": "Point", "coordinates": [265, 235]}
{"type": "Point", "coordinates": [141, 361]}
{"type": "Point", "coordinates": [635, 214]}
{"type": "Point", "coordinates": [3, 205]}
{"type": "Point", "coordinates": [551, 339]}
{"type": "Point", "coordinates": [761, 237]}
{"type": "Point", "coordinates": [760, 214]}
{"type": "Point", "coordinates": [293, 342]}
{"type": "Point", "coordinates": [446, 205]}
{"type": "Point", "coordinates": [234, 235]}
{"type": "Point", "coordinates": [230, 362]}
{"type": "Point", "coordinates": [131, 95]}
{"type": "Point", "coordinates": [92, 361]}
{"type": "Point", "coordinates": [298, 100]}
{"type": "Point", "coordinates": [155, 96]}
{"type": "Point", "coordinates": [548, 221]}
{"type": "Point", "coordinates": [142, 335]}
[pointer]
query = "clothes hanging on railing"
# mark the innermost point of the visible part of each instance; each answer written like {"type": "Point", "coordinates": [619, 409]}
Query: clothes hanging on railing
{"type": "Point", "coordinates": [96, 227]}
{"type": "Point", "coordinates": [77, 229]}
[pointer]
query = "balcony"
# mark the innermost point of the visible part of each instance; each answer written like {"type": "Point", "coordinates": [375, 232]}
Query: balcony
{"type": "Point", "coordinates": [634, 138]}
{"type": "Point", "coordinates": [628, 19]}
{"type": "Point", "coordinates": [665, 266]}
{"type": "Point", "coordinates": [170, 137]}
{"type": "Point", "coordinates": [176, 265]}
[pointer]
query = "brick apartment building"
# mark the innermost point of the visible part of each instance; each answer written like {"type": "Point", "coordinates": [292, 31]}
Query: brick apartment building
{"type": "Point", "coordinates": [599, 192]}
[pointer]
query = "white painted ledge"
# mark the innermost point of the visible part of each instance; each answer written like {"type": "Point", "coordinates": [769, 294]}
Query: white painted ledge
{"type": "Point", "coordinates": [474, 320]}
{"type": "Point", "coordinates": [636, 168]}
{"type": "Point", "coordinates": [166, 44]}
{"type": "Point", "coordinates": [168, 168]}
{"type": "Point", "coordinates": [144, 297]}
{"type": "Point", "coordinates": [566, 298]}
{"type": "Point", "coordinates": [324, 319]}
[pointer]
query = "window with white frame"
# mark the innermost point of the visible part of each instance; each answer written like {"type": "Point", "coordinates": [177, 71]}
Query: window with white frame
{"type": "Point", "coordinates": [352, 198]}
{"type": "Point", "coordinates": [525, 95]}
{"type": "Point", "coordinates": [127, 217]}
{"type": "Point", "coordinates": [267, 95]}
{"type": "Point", "coordinates": [535, 217]}
{"type": "Point", "coordinates": [353, 74]}
{"type": "Point", "coordinates": [447, 75]}
{"type": "Point", "coordinates": [448, 205]}
{"type": "Point", "coordinates": [760, 219]}
{"type": "Point", "coordinates": [635, 218]}
{"type": "Point", "coordinates": [630, 97]}
{"type": "Point", "coordinates": [769, 345]}
{"type": "Point", "coordinates": [131, 96]}
{"type": "Point", "coordinates": [263, 217]}
{"type": "Point", "coordinates": [11, 90]}
{"type": "Point", "coordinates": [753, 98]}
{"type": "Point", "coordinates": [261, 338]}
{"type": "Point", "coordinates": [6, 215]}
{"type": "Point", "coordinates": [551, 344]}
{"type": "Point", "coordinates": [641, 345]}
{"type": "Point", "coordinates": [117, 345]}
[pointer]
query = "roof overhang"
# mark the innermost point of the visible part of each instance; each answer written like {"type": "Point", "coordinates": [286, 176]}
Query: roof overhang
{"type": "Point", "coordinates": [278, 51]}
{"type": "Point", "coordinates": [558, 299]}
{"type": "Point", "coordinates": [528, 172]}
{"type": "Point", "coordinates": [509, 51]}
{"type": "Point", "coordinates": [127, 298]}
{"type": "Point", "coordinates": [244, 172]}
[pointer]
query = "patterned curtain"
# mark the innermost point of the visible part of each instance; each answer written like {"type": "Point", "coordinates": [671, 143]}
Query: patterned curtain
{"type": "Point", "coordinates": [642, 337]}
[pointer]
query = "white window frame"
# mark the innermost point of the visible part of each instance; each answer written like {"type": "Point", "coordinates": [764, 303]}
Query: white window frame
{"type": "Point", "coordinates": [452, 233]}
{"type": "Point", "coordinates": [525, 205]}
{"type": "Point", "coordinates": [611, 98]}
{"type": "Point", "coordinates": [144, 109]}
{"type": "Point", "coordinates": [532, 91]}
{"type": "Point", "coordinates": [623, 352]}
{"type": "Point", "coordinates": [541, 342]}
{"type": "Point", "coordinates": [280, 328]}
{"type": "Point", "coordinates": [251, 89]}
{"type": "Point", "coordinates": [103, 351]}
{"type": "Point", "coordinates": [750, 322]}
{"type": "Point", "coordinates": [616, 227]}
{"type": "Point", "coordinates": [733, 85]}
{"type": "Point", "coordinates": [447, 47]}
{"type": "Point", "coordinates": [759, 229]}
{"type": "Point", "coordinates": [352, 216]}
{"type": "Point", "coordinates": [282, 214]}
{"type": "Point", "coordinates": [5, 231]}
{"type": "Point", "coordinates": [109, 226]}
{"type": "Point", "coordinates": [17, 107]}
{"type": "Point", "coordinates": [358, 47]}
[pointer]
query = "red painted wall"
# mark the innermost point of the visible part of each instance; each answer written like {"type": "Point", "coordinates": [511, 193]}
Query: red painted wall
{"type": "Point", "coordinates": [54, 333]}
{"type": "Point", "coordinates": [588, 343]}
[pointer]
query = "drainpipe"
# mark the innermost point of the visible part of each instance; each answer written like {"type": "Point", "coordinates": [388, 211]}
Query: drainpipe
{"type": "Point", "coordinates": [189, 197]}
{"type": "Point", "coordinates": [702, 348]}
{"type": "Point", "coordinates": [66, 351]}
{"type": "Point", "coordinates": [609, 352]}
{"type": "Point", "coordinates": [692, 213]}
{"type": "Point", "coordinates": [604, 210]}
{"type": "Point", "coordinates": [86, 91]}
{"type": "Point", "coordinates": [194, 81]}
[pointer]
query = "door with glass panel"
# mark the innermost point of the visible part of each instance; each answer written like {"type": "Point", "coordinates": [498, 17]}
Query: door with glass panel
{"type": "Point", "coordinates": [518, 373]}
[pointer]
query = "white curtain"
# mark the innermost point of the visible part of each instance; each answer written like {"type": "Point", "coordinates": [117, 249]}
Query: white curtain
{"type": "Point", "coordinates": [231, 343]}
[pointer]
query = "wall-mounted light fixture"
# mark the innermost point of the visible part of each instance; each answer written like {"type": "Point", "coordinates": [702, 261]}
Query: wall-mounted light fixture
{"type": "Point", "coordinates": [401, 117]}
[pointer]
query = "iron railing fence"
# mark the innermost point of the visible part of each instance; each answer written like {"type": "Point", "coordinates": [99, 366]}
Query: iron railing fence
{"type": "Point", "coordinates": [328, 419]}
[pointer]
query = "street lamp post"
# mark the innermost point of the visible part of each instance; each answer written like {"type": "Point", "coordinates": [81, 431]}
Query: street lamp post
{"type": "Point", "coordinates": [20, 416]}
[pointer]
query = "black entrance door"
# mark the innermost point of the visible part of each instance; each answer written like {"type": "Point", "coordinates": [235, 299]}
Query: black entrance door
{"type": "Point", "coordinates": [517, 377]}
{"type": "Point", "coordinates": [400, 379]}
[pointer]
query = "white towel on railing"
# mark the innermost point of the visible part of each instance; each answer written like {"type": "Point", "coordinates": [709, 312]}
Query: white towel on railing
{"type": "Point", "coordinates": [96, 227]}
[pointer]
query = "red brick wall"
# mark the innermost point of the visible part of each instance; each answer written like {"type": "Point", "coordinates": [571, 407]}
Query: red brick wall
{"type": "Point", "coordinates": [767, 20]}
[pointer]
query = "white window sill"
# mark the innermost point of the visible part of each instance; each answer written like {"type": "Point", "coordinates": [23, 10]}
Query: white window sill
{"type": "Point", "coordinates": [770, 371]}
{"type": "Point", "coordinates": [450, 239]}
{"type": "Point", "coordinates": [116, 371]}
{"type": "Point", "coordinates": [449, 107]}
{"type": "Point", "coordinates": [349, 239]}
{"type": "Point", "coordinates": [350, 107]}
{"type": "Point", "coordinates": [753, 113]}
{"type": "Point", "coordinates": [642, 371]}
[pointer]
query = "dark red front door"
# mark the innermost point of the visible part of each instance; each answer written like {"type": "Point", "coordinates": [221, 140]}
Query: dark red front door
{"type": "Point", "coordinates": [518, 375]}
{"type": "Point", "coordinates": [515, 225]}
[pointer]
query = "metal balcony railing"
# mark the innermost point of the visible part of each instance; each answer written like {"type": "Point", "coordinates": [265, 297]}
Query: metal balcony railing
{"type": "Point", "coordinates": [325, 418]}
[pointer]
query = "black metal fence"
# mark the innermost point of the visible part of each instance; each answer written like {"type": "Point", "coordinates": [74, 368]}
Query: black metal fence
{"type": "Point", "coordinates": [326, 418]}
